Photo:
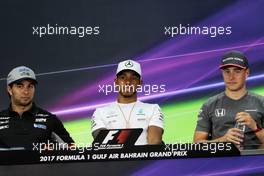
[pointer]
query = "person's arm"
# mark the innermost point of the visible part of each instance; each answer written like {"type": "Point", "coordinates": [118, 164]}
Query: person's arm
{"type": "Point", "coordinates": [260, 135]}
{"type": "Point", "coordinates": [154, 135]}
{"type": "Point", "coordinates": [59, 133]}
{"type": "Point", "coordinates": [232, 135]}
{"type": "Point", "coordinates": [96, 132]}
{"type": "Point", "coordinates": [200, 136]}
{"type": "Point", "coordinates": [97, 123]}
{"type": "Point", "coordinates": [245, 119]}
{"type": "Point", "coordinates": [155, 128]}
{"type": "Point", "coordinates": [203, 126]}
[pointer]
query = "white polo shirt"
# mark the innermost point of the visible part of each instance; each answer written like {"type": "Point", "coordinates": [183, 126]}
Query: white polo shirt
{"type": "Point", "coordinates": [132, 115]}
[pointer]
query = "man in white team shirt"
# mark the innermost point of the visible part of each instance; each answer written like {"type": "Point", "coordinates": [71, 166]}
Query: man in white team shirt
{"type": "Point", "coordinates": [127, 111]}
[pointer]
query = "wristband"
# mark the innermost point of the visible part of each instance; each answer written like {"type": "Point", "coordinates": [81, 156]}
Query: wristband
{"type": "Point", "coordinates": [258, 129]}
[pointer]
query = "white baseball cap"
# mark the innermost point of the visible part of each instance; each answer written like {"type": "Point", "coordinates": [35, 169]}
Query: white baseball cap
{"type": "Point", "coordinates": [20, 73]}
{"type": "Point", "coordinates": [129, 65]}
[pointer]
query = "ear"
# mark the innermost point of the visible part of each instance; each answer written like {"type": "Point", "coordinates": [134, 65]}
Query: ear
{"type": "Point", "coordinates": [140, 82]}
{"type": "Point", "coordinates": [247, 72]}
{"type": "Point", "coordinates": [9, 90]}
{"type": "Point", "coordinates": [116, 80]}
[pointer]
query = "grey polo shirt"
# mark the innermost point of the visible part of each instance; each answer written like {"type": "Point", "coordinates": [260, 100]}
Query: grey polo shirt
{"type": "Point", "coordinates": [218, 114]}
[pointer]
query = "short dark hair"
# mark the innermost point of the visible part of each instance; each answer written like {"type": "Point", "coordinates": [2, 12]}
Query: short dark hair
{"type": "Point", "coordinates": [120, 73]}
{"type": "Point", "coordinates": [28, 79]}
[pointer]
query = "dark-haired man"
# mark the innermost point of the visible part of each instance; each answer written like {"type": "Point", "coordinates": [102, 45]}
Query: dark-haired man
{"type": "Point", "coordinates": [24, 123]}
{"type": "Point", "coordinates": [127, 111]}
{"type": "Point", "coordinates": [220, 117]}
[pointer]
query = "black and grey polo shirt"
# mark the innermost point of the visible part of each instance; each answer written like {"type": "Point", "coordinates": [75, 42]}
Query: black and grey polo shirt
{"type": "Point", "coordinates": [34, 126]}
{"type": "Point", "coordinates": [218, 114]}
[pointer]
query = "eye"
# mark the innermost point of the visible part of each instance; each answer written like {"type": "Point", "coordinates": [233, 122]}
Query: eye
{"type": "Point", "coordinates": [31, 86]}
{"type": "Point", "coordinates": [226, 71]}
{"type": "Point", "coordinates": [135, 77]}
{"type": "Point", "coordinates": [122, 77]}
{"type": "Point", "coordinates": [238, 71]}
{"type": "Point", "coordinates": [19, 86]}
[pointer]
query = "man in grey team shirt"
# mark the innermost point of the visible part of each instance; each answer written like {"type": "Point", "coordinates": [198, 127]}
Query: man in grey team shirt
{"type": "Point", "coordinates": [219, 115]}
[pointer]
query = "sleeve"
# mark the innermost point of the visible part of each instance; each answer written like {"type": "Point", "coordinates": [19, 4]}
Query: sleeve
{"type": "Point", "coordinates": [97, 120]}
{"type": "Point", "coordinates": [157, 118]}
{"type": "Point", "coordinates": [262, 111]}
{"type": "Point", "coordinates": [204, 121]}
{"type": "Point", "coordinates": [59, 133]}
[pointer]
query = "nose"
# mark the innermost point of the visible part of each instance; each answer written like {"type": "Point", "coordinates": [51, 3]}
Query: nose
{"type": "Point", "coordinates": [26, 90]}
{"type": "Point", "coordinates": [232, 75]}
{"type": "Point", "coordinates": [128, 81]}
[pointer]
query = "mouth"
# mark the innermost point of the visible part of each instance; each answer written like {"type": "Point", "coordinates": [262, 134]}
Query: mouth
{"type": "Point", "coordinates": [128, 91]}
{"type": "Point", "coordinates": [128, 88]}
{"type": "Point", "coordinates": [232, 83]}
{"type": "Point", "coordinates": [25, 98]}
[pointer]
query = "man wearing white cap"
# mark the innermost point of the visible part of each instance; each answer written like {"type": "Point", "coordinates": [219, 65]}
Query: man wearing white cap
{"type": "Point", "coordinates": [127, 111]}
{"type": "Point", "coordinates": [23, 123]}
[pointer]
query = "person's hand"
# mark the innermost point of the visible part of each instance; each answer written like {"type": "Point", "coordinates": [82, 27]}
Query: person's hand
{"type": "Point", "coordinates": [233, 135]}
{"type": "Point", "coordinates": [245, 118]}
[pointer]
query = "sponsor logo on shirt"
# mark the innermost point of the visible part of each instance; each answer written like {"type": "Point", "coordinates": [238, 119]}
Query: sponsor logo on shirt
{"type": "Point", "coordinates": [42, 115]}
{"type": "Point", "coordinates": [112, 121]}
{"type": "Point", "coordinates": [7, 121]}
{"type": "Point", "coordinates": [4, 118]}
{"type": "Point", "coordinates": [200, 118]}
{"type": "Point", "coordinates": [161, 118]}
{"type": "Point", "coordinates": [93, 122]}
{"type": "Point", "coordinates": [140, 112]}
{"type": "Point", "coordinates": [40, 120]}
{"type": "Point", "coordinates": [141, 119]}
{"type": "Point", "coordinates": [111, 116]}
{"type": "Point", "coordinates": [200, 112]}
{"type": "Point", "coordinates": [40, 126]}
{"type": "Point", "coordinates": [220, 112]}
{"type": "Point", "coordinates": [4, 127]}
{"type": "Point", "coordinates": [251, 110]}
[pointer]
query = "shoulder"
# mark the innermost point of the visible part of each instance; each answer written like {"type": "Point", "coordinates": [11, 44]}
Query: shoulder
{"type": "Point", "coordinates": [105, 109]}
{"type": "Point", "coordinates": [147, 106]}
{"type": "Point", "coordinates": [256, 97]}
{"type": "Point", "coordinates": [4, 112]}
{"type": "Point", "coordinates": [214, 99]}
{"type": "Point", "coordinates": [42, 113]}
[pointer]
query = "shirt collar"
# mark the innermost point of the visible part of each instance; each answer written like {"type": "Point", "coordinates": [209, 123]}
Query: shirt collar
{"type": "Point", "coordinates": [33, 110]}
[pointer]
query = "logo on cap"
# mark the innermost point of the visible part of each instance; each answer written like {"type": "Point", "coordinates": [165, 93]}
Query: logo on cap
{"type": "Point", "coordinates": [234, 58]}
{"type": "Point", "coordinates": [20, 73]}
{"type": "Point", "coordinates": [25, 74]}
{"type": "Point", "coordinates": [129, 64]}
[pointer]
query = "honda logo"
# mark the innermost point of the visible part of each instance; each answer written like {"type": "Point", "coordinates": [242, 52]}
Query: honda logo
{"type": "Point", "coordinates": [220, 112]}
